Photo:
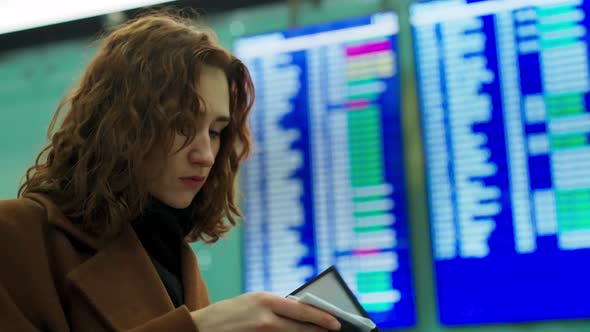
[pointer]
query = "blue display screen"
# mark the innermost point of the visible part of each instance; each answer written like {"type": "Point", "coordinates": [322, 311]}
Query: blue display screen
{"type": "Point", "coordinates": [504, 92]}
{"type": "Point", "coordinates": [325, 184]}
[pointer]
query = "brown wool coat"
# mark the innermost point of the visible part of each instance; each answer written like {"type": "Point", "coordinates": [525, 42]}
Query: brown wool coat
{"type": "Point", "coordinates": [55, 278]}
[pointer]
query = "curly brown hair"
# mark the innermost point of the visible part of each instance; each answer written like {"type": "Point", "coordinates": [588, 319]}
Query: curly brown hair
{"type": "Point", "coordinates": [139, 90]}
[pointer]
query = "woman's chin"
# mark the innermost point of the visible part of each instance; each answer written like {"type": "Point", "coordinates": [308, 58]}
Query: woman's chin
{"type": "Point", "coordinates": [180, 201]}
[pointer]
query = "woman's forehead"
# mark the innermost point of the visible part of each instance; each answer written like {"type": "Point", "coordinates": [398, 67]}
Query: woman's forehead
{"type": "Point", "coordinates": [214, 91]}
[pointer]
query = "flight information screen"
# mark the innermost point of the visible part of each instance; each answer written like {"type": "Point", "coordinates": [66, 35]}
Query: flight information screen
{"type": "Point", "coordinates": [325, 185]}
{"type": "Point", "coordinates": [504, 91]}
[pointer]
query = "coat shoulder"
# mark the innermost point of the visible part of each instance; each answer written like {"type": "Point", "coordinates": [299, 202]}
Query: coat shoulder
{"type": "Point", "coordinates": [23, 234]}
{"type": "Point", "coordinates": [29, 286]}
{"type": "Point", "coordinates": [36, 215]}
{"type": "Point", "coordinates": [20, 218]}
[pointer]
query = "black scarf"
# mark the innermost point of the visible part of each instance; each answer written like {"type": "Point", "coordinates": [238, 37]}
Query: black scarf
{"type": "Point", "coordinates": [161, 229]}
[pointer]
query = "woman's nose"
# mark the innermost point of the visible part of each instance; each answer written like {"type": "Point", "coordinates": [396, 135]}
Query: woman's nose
{"type": "Point", "coordinates": [201, 152]}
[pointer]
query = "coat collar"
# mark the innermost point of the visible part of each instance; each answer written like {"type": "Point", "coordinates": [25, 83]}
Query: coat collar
{"type": "Point", "coordinates": [119, 280]}
{"type": "Point", "coordinates": [59, 220]}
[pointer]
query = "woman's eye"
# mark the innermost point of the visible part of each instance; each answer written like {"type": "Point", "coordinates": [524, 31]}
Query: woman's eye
{"type": "Point", "coordinates": [184, 129]}
{"type": "Point", "coordinates": [214, 133]}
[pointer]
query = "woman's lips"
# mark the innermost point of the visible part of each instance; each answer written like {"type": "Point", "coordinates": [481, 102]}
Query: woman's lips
{"type": "Point", "coordinates": [192, 181]}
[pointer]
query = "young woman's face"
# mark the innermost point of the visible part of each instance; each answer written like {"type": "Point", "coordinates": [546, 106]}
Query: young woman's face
{"type": "Point", "coordinates": [185, 171]}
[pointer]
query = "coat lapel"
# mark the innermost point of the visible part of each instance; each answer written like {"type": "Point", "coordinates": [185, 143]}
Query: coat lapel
{"type": "Point", "coordinates": [121, 283]}
{"type": "Point", "coordinates": [196, 295]}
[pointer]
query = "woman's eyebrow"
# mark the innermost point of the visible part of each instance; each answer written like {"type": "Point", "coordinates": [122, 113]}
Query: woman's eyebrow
{"type": "Point", "coordinates": [222, 118]}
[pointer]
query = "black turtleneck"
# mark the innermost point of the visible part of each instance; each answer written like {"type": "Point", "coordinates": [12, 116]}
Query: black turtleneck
{"type": "Point", "coordinates": [161, 230]}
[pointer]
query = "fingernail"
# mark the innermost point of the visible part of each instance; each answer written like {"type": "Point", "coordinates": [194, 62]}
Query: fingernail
{"type": "Point", "coordinates": [335, 325]}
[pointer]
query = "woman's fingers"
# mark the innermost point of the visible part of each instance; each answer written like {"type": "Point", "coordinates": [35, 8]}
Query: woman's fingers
{"type": "Point", "coordinates": [262, 312]}
{"type": "Point", "coordinates": [304, 313]}
{"type": "Point", "coordinates": [290, 325]}
{"type": "Point", "coordinates": [311, 328]}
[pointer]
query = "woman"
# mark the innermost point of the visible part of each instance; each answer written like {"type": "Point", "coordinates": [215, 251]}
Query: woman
{"type": "Point", "coordinates": [144, 160]}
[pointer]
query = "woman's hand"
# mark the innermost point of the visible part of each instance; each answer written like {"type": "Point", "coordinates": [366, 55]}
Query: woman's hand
{"type": "Point", "coordinates": [262, 312]}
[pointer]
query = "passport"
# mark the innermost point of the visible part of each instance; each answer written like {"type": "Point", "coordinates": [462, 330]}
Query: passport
{"type": "Point", "coordinates": [329, 292]}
